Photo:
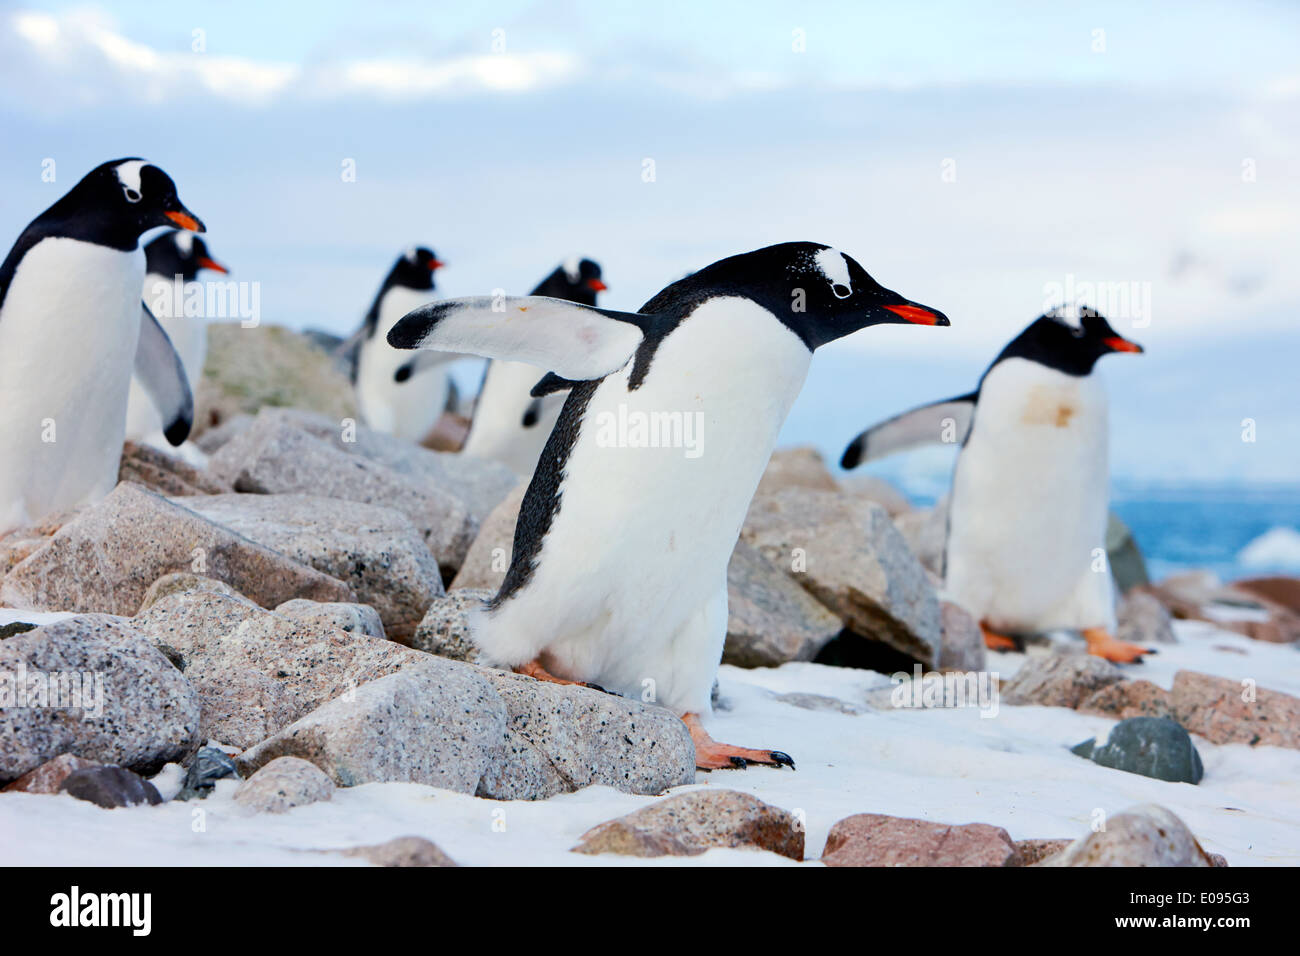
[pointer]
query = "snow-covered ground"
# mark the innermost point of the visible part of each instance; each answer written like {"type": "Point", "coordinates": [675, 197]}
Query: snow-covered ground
{"type": "Point", "coordinates": [951, 766]}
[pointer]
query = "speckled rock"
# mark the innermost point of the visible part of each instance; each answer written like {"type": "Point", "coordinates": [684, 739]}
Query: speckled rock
{"type": "Point", "coordinates": [1143, 620]}
{"type": "Point", "coordinates": [165, 474]}
{"type": "Point", "coordinates": [143, 714]}
{"type": "Point", "coordinates": [561, 737]}
{"type": "Point", "coordinates": [375, 550]}
{"type": "Point", "coordinates": [49, 776]}
{"type": "Point", "coordinates": [282, 784]}
{"type": "Point", "coordinates": [445, 629]}
{"type": "Point", "coordinates": [798, 467]}
{"type": "Point", "coordinates": [688, 824]}
{"type": "Point", "coordinates": [1147, 835]}
{"type": "Point", "coordinates": [273, 457]}
{"type": "Point", "coordinates": [438, 722]}
{"type": "Point", "coordinates": [874, 839]}
{"type": "Point", "coordinates": [770, 618]}
{"type": "Point", "coordinates": [1059, 680]}
{"type": "Point", "coordinates": [214, 437]}
{"type": "Point", "coordinates": [110, 787]}
{"type": "Point", "coordinates": [1029, 852]}
{"type": "Point", "coordinates": [1151, 746]}
{"type": "Point", "coordinates": [1227, 711]}
{"type": "Point", "coordinates": [849, 556]}
{"type": "Point", "coordinates": [488, 558]}
{"type": "Point", "coordinates": [352, 618]}
{"type": "Point", "coordinates": [180, 581]}
{"type": "Point", "coordinates": [402, 851]}
{"type": "Point", "coordinates": [1129, 698]}
{"type": "Point", "coordinates": [106, 558]}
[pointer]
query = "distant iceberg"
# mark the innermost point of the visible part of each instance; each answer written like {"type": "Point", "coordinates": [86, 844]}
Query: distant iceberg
{"type": "Point", "coordinates": [1275, 548]}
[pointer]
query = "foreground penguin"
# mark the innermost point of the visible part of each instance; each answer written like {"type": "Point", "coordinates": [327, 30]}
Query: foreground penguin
{"type": "Point", "coordinates": [72, 330]}
{"type": "Point", "coordinates": [172, 254]}
{"type": "Point", "coordinates": [391, 403]}
{"type": "Point", "coordinates": [619, 571]}
{"type": "Point", "coordinates": [1030, 494]}
{"type": "Point", "coordinates": [509, 424]}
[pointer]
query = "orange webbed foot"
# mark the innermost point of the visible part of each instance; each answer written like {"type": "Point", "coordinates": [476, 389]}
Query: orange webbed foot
{"type": "Point", "coordinates": [711, 755]}
{"type": "Point", "coordinates": [995, 641]}
{"type": "Point", "coordinates": [1103, 645]}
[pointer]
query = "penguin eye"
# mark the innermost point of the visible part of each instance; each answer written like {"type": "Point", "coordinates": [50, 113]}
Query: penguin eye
{"type": "Point", "coordinates": [841, 291]}
{"type": "Point", "coordinates": [132, 195]}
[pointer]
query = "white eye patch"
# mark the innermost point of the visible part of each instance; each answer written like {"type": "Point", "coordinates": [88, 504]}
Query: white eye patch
{"type": "Point", "coordinates": [571, 268]}
{"type": "Point", "coordinates": [128, 174]}
{"type": "Point", "coordinates": [184, 242]}
{"type": "Point", "coordinates": [834, 266]}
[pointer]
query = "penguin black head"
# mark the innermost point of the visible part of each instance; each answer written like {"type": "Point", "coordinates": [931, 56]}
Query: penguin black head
{"type": "Point", "coordinates": [414, 269]}
{"type": "Point", "coordinates": [819, 293]}
{"type": "Point", "coordinates": [179, 253]}
{"type": "Point", "coordinates": [115, 203]}
{"type": "Point", "coordinates": [1053, 341]}
{"type": "Point", "coordinates": [577, 280]}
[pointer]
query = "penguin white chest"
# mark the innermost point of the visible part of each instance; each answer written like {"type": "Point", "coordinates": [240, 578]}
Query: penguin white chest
{"type": "Point", "coordinates": [498, 431]}
{"type": "Point", "coordinates": [630, 582]}
{"type": "Point", "coordinates": [1029, 502]}
{"type": "Point", "coordinates": [407, 409]}
{"type": "Point", "coordinates": [68, 333]}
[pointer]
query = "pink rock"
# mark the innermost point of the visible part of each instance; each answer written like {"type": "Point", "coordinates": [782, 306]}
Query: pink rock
{"type": "Point", "coordinates": [873, 839]}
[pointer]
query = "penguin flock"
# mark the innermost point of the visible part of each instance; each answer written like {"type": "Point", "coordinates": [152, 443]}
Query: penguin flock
{"type": "Point", "coordinates": [618, 576]}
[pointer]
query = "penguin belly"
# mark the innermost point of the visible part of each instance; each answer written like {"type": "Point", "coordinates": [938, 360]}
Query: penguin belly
{"type": "Point", "coordinates": [68, 332]}
{"type": "Point", "coordinates": [628, 590]}
{"type": "Point", "coordinates": [498, 431]}
{"type": "Point", "coordinates": [1027, 520]}
{"type": "Point", "coordinates": [407, 409]}
{"type": "Point", "coordinates": [189, 336]}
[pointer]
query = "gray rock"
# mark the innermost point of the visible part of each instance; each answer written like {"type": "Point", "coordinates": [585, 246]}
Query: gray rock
{"type": "Point", "coordinates": [926, 534]}
{"type": "Point", "coordinates": [798, 467]}
{"type": "Point", "coordinates": [488, 559]}
{"type": "Point", "coordinates": [375, 550]}
{"type": "Point", "coordinates": [139, 712]}
{"type": "Point", "coordinates": [1143, 620]}
{"type": "Point", "coordinates": [770, 618]}
{"type": "Point", "coordinates": [338, 616]}
{"type": "Point", "coordinates": [445, 629]}
{"type": "Point", "coordinates": [1059, 680]}
{"type": "Point", "coordinates": [561, 737]}
{"type": "Point", "coordinates": [1151, 746]}
{"type": "Point", "coordinates": [872, 488]}
{"type": "Point", "coordinates": [962, 646]}
{"type": "Point", "coordinates": [1147, 835]}
{"type": "Point", "coordinates": [849, 556]}
{"type": "Point", "coordinates": [1124, 556]}
{"type": "Point", "coordinates": [106, 558]}
{"type": "Point", "coordinates": [110, 787]}
{"type": "Point", "coordinates": [165, 474]}
{"type": "Point", "coordinates": [208, 766]}
{"type": "Point", "coordinates": [180, 581]}
{"type": "Point", "coordinates": [402, 851]}
{"type": "Point", "coordinates": [213, 438]}
{"type": "Point", "coordinates": [281, 785]}
{"type": "Point", "coordinates": [438, 723]}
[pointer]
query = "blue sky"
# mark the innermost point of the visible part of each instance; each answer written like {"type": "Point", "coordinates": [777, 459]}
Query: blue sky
{"type": "Point", "coordinates": [975, 160]}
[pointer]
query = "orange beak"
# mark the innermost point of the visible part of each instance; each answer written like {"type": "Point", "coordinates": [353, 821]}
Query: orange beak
{"type": "Point", "coordinates": [185, 221]}
{"type": "Point", "coordinates": [595, 285]}
{"type": "Point", "coordinates": [206, 263]}
{"type": "Point", "coordinates": [1117, 344]}
{"type": "Point", "coordinates": [435, 264]}
{"type": "Point", "coordinates": [917, 315]}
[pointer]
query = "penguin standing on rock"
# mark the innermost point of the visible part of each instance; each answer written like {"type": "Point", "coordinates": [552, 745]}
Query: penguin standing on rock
{"type": "Point", "coordinates": [72, 331]}
{"type": "Point", "coordinates": [172, 254]}
{"type": "Point", "coordinates": [619, 571]}
{"type": "Point", "coordinates": [1030, 495]}
{"type": "Point", "coordinates": [509, 424]}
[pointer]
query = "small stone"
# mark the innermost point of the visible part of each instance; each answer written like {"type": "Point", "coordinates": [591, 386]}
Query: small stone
{"type": "Point", "coordinates": [49, 776]}
{"type": "Point", "coordinates": [1059, 680]}
{"type": "Point", "coordinates": [1147, 835]}
{"type": "Point", "coordinates": [282, 784]}
{"type": "Point", "coordinates": [1127, 566]}
{"type": "Point", "coordinates": [874, 839]}
{"type": "Point", "coordinates": [1143, 620]}
{"type": "Point", "coordinates": [402, 851]}
{"type": "Point", "coordinates": [1129, 698]}
{"type": "Point", "coordinates": [334, 615]}
{"type": "Point", "coordinates": [445, 630]}
{"type": "Point", "coordinates": [209, 766]}
{"type": "Point", "coordinates": [1029, 852]}
{"type": "Point", "coordinates": [180, 581]}
{"type": "Point", "coordinates": [165, 474]}
{"type": "Point", "coordinates": [110, 787]}
{"type": "Point", "coordinates": [1151, 746]}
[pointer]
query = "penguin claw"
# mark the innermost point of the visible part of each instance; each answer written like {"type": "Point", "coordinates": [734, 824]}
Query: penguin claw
{"type": "Point", "coordinates": [740, 763]}
{"type": "Point", "coordinates": [711, 755]}
{"type": "Point", "coordinates": [782, 759]}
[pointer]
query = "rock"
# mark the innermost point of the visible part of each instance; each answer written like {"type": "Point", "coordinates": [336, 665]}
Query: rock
{"type": "Point", "coordinates": [851, 558]}
{"type": "Point", "coordinates": [1151, 746]}
{"type": "Point", "coordinates": [926, 534]}
{"type": "Point", "coordinates": [17, 547]}
{"type": "Point", "coordinates": [770, 618]}
{"type": "Point", "coordinates": [402, 851]}
{"type": "Point", "coordinates": [132, 707]}
{"type": "Point", "coordinates": [255, 671]}
{"type": "Point", "coordinates": [1281, 590]}
{"type": "Point", "coordinates": [800, 467]}
{"type": "Point", "coordinates": [282, 784]}
{"type": "Point", "coordinates": [352, 618]}
{"type": "Point", "coordinates": [488, 558]}
{"type": "Point", "coordinates": [179, 582]}
{"type": "Point", "coordinates": [438, 723]}
{"type": "Point", "coordinates": [1127, 567]}
{"type": "Point", "coordinates": [15, 627]}
{"type": "Point", "coordinates": [688, 824]}
{"type": "Point", "coordinates": [107, 557]}
{"type": "Point", "coordinates": [110, 787]}
{"type": "Point", "coordinates": [818, 702]}
{"type": "Point", "coordinates": [871, 488]}
{"type": "Point", "coordinates": [445, 629]}
{"type": "Point", "coordinates": [1129, 698]}
{"type": "Point", "coordinates": [562, 737]}
{"type": "Point", "coordinates": [1148, 835]}
{"type": "Point", "coordinates": [165, 474]}
{"type": "Point", "coordinates": [248, 368]}
{"type": "Point", "coordinates": [962, 642]}
{"type": "Point", "coordinates": [448, 433]}
{"type": "Point", "coordinates": [214, 437]}
{"type": "Point", "coordinates": [276, 458]}
{"type": "Point", "coordinates": [1226, 711]}
{"type": "Point", "coordinates": [375, 550]}
{"type": "Point", "coordinates": [1059, 680]}
{"type": "Point", "coordinates": [1143, 620]}
{"type": "Point", "coordinates": [209, 766]}
{"type": "Point", "coordinates": [1200, 596]}
{"type": "Point", "coordinates": [1029, 852]}
{"type": "Point", "coordinates": [49, 776]}
{"type": "Point", "coordinates": [873, 839]}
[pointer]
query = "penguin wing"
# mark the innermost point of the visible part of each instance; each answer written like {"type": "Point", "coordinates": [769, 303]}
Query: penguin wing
{"type": "Point", "coordinates": [159, 369]}
{"type": "Point", "coordinates": [945, 422]}
{"type": "Point", "coordinates": [576, 342]}
{"type": "Point", "coordinates": [420, 362]}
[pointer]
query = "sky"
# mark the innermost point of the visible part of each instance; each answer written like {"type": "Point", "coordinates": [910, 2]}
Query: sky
{"type": "Point", "coordinates": [988, 162]}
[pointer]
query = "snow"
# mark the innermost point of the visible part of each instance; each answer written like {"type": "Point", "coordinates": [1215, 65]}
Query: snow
{"type": "Point", "coordinates": [948, 765]}
{"type": "Point", "coordinates": [1276, 548]}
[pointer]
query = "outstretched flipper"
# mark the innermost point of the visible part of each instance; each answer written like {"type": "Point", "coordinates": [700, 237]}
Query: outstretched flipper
{"type": "Point", "coordinates": [577, 342]}
{"type": "Point", "coordinates": [946, 422]}
{"type": "Point", "coordinates": [162, 374]}
{"type": "Point", "coordinates": [421, 361]}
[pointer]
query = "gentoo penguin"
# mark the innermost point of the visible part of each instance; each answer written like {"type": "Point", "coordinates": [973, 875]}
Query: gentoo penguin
{"type": "Point", "coordinates": [509, 424]}
{"type": "Point", "coordinates": [1030, 493]}
{"type": "Point", "coordinates": [619, 571]}
{"type": "Point", "coordinates": [408, 409]}
{"type": "Point", "coordinates": [72, 329]}
{"type": "Point", "coordinates": [172, 254]}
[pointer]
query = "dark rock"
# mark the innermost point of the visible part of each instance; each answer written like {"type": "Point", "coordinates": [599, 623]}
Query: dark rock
{"type": "Point", "coordinates": [209, 766]}
{"type": "Point", "coordinates": [110, 787]}
{"type": "Point", "coordinates": [1151, 746]}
